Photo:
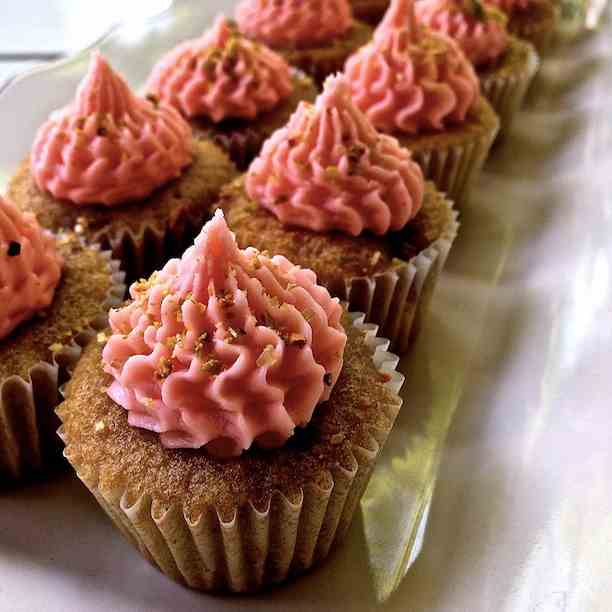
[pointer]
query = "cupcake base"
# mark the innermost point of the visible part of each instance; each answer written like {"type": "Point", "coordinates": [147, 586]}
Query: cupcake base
{"type": "Point", "coordinates": [536, 24]}
{"type": "Point", "coordinates": [370, 11]}
{"type": "Point", "coordinates": [249, 522]}
{"type": "Point", "coordinates": [320, 62]}
{"type": "Point", "coordinates": [453, 159]}
{"type": "Point", "coordinates": [142, 235]}
{"type": "Point", "coordinates": [390, 278]}
{"type": "Point", "coordinates": [505, 85]}
{"type": "Point", "coordinates": [39, 355]}
{"type": "Point", "coordinates": [242, 139]}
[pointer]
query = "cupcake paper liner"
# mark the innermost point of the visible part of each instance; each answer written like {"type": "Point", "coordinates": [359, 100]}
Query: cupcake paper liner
{"type": "Point", "coordinates": [506, 89]}
{"type": "Point", "coordinates": [256, 546]}
{"type": "Point", "coordinates": [398, 300]}
{"type": "Point", "coordinates": [28, 423]}
{"type": "Point", "coordinates": [151, 246]}
{"type": "Point", "coordinates": [454, 161]}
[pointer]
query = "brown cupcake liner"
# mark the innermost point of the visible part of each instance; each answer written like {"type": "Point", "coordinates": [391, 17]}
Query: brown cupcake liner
{"type": "Point", "coordinates": [506, 89]}
{"type": "Point", "coordinates": [399, 299]}
{"type": "Point", "coordinates": [256, 546]}
{"type": "Point", "coordinates": [455, 166]}
{"type": "Point", "coordinates": [370, 11]}
{"type": "Point", "coordinates": [28, 423]}
{"type": "Point", "coordinates": [150, 247]}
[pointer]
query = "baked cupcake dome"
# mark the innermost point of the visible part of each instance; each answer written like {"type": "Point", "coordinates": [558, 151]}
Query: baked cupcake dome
{"type": "Point", "coordinates": [55, 293]}
{"type": "Point", "coordinates": [314, 35]}
{"type": "Point", "coordinates": [121, 171]}
{"type": "Point", "coordinates": [232, 90]}
{"type": "Point", "coordinates": [504, 64]}
{"type": "Point", "coordinates": [532, 20]}
{"type": "Point", "coordinates": [419, 86]}
{"type": "Point", "coordinates": [248, 521]}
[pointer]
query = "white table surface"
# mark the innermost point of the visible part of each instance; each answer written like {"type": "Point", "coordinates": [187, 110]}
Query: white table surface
{"type": "Point", "coordinates": [522, 515]}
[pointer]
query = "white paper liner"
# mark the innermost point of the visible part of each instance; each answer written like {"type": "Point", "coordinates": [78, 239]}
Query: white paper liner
{"type": "Point", "coordinates": [398, 300]}
{"type": "Point", "coordinates": [28, 424]}
{"type": "Point", "coordinates": [255, 547]}
{"type": "Point", "coordinates": [506, 91]}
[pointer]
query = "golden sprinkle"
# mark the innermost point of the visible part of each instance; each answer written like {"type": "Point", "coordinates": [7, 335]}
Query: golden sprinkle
{"type": "Point", "coordinates": [56, 347]}
{"type": "Point", "coordinates": [99, 426]}
{"type": "Point", "coordinates": [267, 357]}
{"type": "Point", "coordinates": [375, 258]}
{"type": "Point", "coordinates": [297, 340]}
{"type": "Point", "coordinates": [102, 338]}
{"type": "Point", "coordinates": [212, 366]}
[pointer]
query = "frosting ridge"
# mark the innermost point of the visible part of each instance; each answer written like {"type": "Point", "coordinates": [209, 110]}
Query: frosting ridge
{"type": "Point", "coordinates": [224, 347]}
{"type": "Point", "coordinates": [109, 146]}
{"type": "Point", "coordinates": [221, 75]}
{"type": "Point", "coordinates": [30, 267]}
{"type": "Point", "coordinates": [329, 169]}
{"type": "Point", "coordinates": [294, 23]}
{"type": "Point", "coordinates": [480, 30]}
{"type": "Point", "coordinates": [410, 79]}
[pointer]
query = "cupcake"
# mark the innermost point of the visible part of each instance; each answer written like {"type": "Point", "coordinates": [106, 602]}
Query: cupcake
{"type": "Point", "coordinates": [317, 36]}
{"type": "Point", "coordinates": [505, 64]}
{"type": "Point", "coordinates": [54, 292]}
{"type": "Point", "coordinates": [333, 195]}
{"type": "Point", "coordinates": [232, 90]}
{"type": "Point", "coordinates": [370, 11]}
{"type": "Point", "coordinates": [418, 85]}
{"type": "Point", "coordinates": [532, 20]}
{"type": "Point", "coordinates": [243, 415]}
{"type": "Point", "coordinates": [121, 171]}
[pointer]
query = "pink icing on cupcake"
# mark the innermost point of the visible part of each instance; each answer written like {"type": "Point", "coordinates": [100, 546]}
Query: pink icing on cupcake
{"type": "Point", "coordinates": [294, 23]}
{"type": "Point", "coordinates": [109, 146]}
{"type": "Point", "coordinates": [221, 75]}
{"type": "Point", "coordinates": [410, 79]}
{"type": "Point", "coordinates": [479, 30]}
{"type": "Point", "coordinates": [225, 347]}
{"type": "Point", "coordinates": [30, 267]}
{"type": "Point", "coordinates": [330, 169]}
{"type": "Point", "coordinates": [510, 6]}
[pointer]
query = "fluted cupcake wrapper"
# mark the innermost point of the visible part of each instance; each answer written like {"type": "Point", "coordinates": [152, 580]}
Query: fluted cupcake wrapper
{"type": "Point", "coordinates": [28, 423]}
{"type": "Point", "coordinates": [147, 249]}
{"type": "Point", "coordinates": [452, 163]}
{"type": "Point", "coordinates": [255, 547]}
{"type": "Point", "coordinates": [506, 87]}
{"type": "Point", "coordinates": [399, 299]}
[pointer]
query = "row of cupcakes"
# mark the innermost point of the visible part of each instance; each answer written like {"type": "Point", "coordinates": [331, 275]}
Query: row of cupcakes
{"type": "Point", "coordinates": [230, 417]}
{"type": "Point", "coordinates": [532, 20]}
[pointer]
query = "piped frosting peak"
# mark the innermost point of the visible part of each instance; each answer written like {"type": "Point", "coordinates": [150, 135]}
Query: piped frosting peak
{"type": "Point", "coordinates": [329, 169]}
{"type": "Point", "coordinates": [225, 347]}
{"type": "Point", "coordinates": [294, 23]}
{"type": "Point", "coordinates": [109, 146]}
{"type": "Point", "coordinates": [221, 75]}
{"type": "Point", "coordinates": [410, 79]}
{"type": "Point", "coordinates": [479, 29]}
{"type": "Point", "coordinates": [30, 267]}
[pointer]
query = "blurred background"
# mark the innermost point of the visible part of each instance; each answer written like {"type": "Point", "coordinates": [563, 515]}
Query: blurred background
{"type": "Point", "coordinates": [36, 31]}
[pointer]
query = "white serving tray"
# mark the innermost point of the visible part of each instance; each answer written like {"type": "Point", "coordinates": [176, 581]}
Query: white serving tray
{"type": "Point", "coordinates": [518, 349]}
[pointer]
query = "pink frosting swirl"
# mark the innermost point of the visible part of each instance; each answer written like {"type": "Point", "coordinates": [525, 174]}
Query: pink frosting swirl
{"type": "Point", "coordinates": [510, 6]}
{"type": "Point", "coordinates": [294, 23]}
{"type": "Point", "coordinates": [330, 169]}
{"type": "Point", "coordinates": [479, 30]}
{"type": "Point", "coordinates": [225, 347]}
{"type": "Point", "coordinates": [109, 146]}
{"type": "Point", "coordinates": [410, 79]}
{"type": "Point", "coordinates": [221, 75]}
{"type": "Point", "coordinates": [30, 267]}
